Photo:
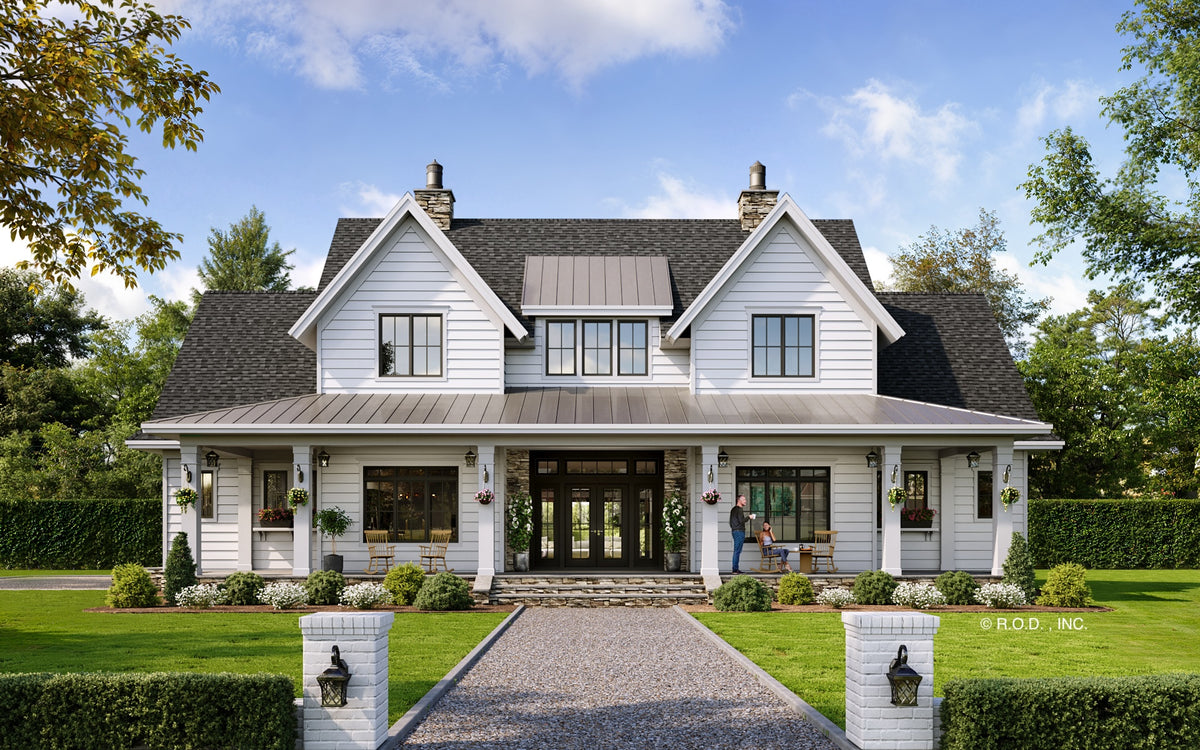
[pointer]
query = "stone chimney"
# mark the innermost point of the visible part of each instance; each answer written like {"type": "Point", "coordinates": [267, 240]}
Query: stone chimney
{"type": "Point", "coordinates": [437, 201]}
{"type": "Point", "coordinates": [756, 201]}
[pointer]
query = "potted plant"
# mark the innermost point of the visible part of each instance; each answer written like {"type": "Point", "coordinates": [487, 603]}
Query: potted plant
{"type": "Point", "coordinates": [674, 529]}
{"type": "Point", "coordinates": [296, 497]}
{"type": "Point", "coordinates": [186, 497]}
{"type": "Point", "coordinates": [519, 525]}
{"type": "Point", "coordinates": [485, 496]}
{"type": "Point", "coordinates": [1009, 495]}
{"type": "Point", "coordinates": [275, 518]}
{"type": "Point", "coordinates": [897, 496]}
{"type": "Point", "coordinates": [332, 522]}
{"type": "Point", "coordinates": [711, 496]}
{"type": "Point", "coordinates": [917, 518]}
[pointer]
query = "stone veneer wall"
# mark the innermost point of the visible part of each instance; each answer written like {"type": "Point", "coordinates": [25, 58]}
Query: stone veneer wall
{"type": "Point", "coordinates": [754, 205]}
{"type": "Point", "coordinates": [439, 204]}
{"type": "Point", "coordinates": [516, 471]}
{"type": "Point", "coordinates": [675, 479]}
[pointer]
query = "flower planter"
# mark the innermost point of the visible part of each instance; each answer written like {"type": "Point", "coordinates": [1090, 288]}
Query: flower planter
{"type": "Point", "coordinates": [332, 562]}
{"type": "Point", "coordinates": [674, 561]}
{"type": "Point", "coordinates": [521, 561]}
{"type": "Point", "coordinates": [906, 524]}
{"type": "Point", "coordinates": [285, 523]}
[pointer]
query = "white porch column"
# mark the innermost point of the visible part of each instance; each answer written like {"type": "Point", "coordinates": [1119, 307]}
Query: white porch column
{"type": "Point", "coordinates": [893, 476]}
{"type": "Point", "coordinates": [1002, 519]}
{"type": "Point", "coordinates": [486, 466]}
{"type": "Point", "coordinates": [189, 456]}
{"type": "Point", "coordinates": [948, 513]}
{"type": "Point", "coordinates": [302, 523]}
{"type": "Point", "coordinates": [245, 514]}
{"type": "Point", "coordinates": [710, 515]}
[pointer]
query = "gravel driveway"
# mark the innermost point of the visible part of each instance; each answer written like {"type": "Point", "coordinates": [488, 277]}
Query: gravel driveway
{"type": "Point", "coordinates": [610, 678]}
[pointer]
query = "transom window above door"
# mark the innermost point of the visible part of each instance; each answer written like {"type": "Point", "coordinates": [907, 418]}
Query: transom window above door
{"type": "Point", "coordinates": [782, 346]}
{"type": "Point", "coordinates": [597, 347]}
{"type": "Point", "coordinates": [410, 345]}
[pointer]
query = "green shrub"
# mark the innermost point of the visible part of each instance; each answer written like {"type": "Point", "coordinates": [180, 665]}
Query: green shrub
{"type": "Point", "coordinates": [957, 586]}
{"type": "Point", "coordinates": [180, 571]}
{"type": "Point", "coordinates": [242, 588]}
{"type": "Point", "coordinates": [324, 587]}
{"type": "Point", "coordinates": [404, 582]}
{"type": "Point", "coordinates": [80, 534]}
{"type": "Point", "coordinates": [1123, 533]}
{"type": "Point", "coordinates": [742, 594]}
{"type": "Point", "coordinates": [443, 592]}
{"type": "Point", "coordinates": [1066, 587]}
{"type": "Point", "coordinates": [874, 587]}
{"type": "Point", "coordinates": [1018, 567]}
{"type": "Point", "coordinates": [160, 710]}
{"type": "Point", "coordinates": [1155, 712]}
{"type": "Point", "coordinates": [131, 587]}
{"type": "Point", "coordinates": [795, 588]}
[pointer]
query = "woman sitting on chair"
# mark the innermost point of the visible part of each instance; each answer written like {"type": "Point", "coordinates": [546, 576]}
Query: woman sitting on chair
{"type": "Point", "coordinates": [768, 541]}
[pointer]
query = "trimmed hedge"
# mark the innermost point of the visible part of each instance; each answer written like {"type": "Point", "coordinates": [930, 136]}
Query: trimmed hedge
{"type": "Point", "coordinates": [160, 710]}
{"type": "Point", "coordinates": [80, 534]}
{"type": "Point", "coordinates": [1122, 533]}
{"type": "Point", "coordinates": [1153, 712]}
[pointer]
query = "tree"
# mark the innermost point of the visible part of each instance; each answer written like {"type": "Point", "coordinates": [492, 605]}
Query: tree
{"type": "Point", "coordinates": [1131, 228]}
{"type": "Point", "coordinates": [243, 260]}
{"type": "Point", "coordinates": [69, 91]}
{"type": "Point", "coordinates": [45, 328]}
{"type": "Point", "coordinates": [964, 261]}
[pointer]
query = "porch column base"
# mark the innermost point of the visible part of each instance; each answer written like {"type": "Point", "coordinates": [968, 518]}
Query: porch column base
{"type": "Point", "coordinates": [712, 580]}
{"type": "Point", "coordinates": [483, 581]}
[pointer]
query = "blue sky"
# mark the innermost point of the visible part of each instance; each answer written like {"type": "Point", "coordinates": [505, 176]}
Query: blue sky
{"type": "Point", "coordinates": [899, 115]}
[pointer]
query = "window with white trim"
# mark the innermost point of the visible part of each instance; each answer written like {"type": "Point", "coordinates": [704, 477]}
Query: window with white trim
{"type": "Point", "coordinates": [782, 346]}
{"type": "Point", "coordinates": [410, 345]}
{"type": "Point", "coordinates": [208, 494]}
{"type": "Point", "coordinates": [560, 347]}
{"type": "Point", "coordinates": [594, 351]}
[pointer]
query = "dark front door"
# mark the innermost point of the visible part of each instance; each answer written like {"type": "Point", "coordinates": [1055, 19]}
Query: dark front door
{"type": "Point", "coordinates": [598, 527]}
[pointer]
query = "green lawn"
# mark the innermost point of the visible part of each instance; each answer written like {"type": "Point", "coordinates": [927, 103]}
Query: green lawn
{"type": "Point", "coordinates": [23, 573]}
{"type": "Point", "coordinates": [1155, 627]}
{"type": "Point", "coordinates": [48, 631]}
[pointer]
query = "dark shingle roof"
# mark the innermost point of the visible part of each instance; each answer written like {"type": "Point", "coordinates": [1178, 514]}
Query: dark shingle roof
{"type": "Point", "coordinates": [496, 248]}
{"type": "Point", "coordinates": [952, 353]}
{"type": "Point", "coordinates": [238, 351]}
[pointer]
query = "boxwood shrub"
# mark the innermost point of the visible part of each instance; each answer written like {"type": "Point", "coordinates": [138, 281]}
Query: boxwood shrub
{"type": "Point", "coordinates": [80, 534]}
{"type": "Point", "coordinates": [1122, 533]}
{"type": "Point", "coordinates": [742, 593]}
{"type": "Point", "coordinates": [159, 710]}
{"type": "Point", "coordinates": [1154, 712]}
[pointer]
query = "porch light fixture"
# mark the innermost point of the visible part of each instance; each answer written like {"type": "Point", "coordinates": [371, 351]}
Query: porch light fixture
{"type": "Point", "coordinates": [187, 474]}
{"type": "Point", "coordinates": [903, 679]}
{"type": "Point", "coordinates": [973, 460]}
{"type": "Point", "coordinates": [486, 477]}
{"type": "Point", "coordinates": [470, 458]}
{"type": "Point", "coordinates": [872, 460]}
{"type": "Point", "coordinates": [323, 459]}
{"type": "Point", "coordinates": [1006, 470]}
{"type": "Point", "coordinates": [212, 460]}
{"type": "Point", "coordinates": [723, 460]}
{"type": "Point", "coordinates": [710, 474]}
{"type": "Point", "coordinates": [299, 473]}
{"type": "Point", "coordinates": [333, 682]}
{"type": "Point", "coordinates": [895, 468]}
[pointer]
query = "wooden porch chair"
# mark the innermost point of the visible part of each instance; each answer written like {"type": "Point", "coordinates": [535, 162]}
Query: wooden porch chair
{"type": "Point", "coordinates": [822, 554]}
{"type": "Point", "coordinates": [381, 556]}
{"type": "Point", "coordinates": [436, 550]}
{"type": "Point", "coordinates": [768, 557]}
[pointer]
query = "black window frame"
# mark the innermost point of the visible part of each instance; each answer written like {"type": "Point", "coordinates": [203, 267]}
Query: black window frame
{"type": "Point", "coordinates": [208, 496]}
{"type": "Point", "coordinates": [562, 348]}
{"type": "Point", "coordinates": [280, 499]}
{"type": "Point", "coordinates": [799, 475]}
{"type": "Point", "coordinates": [783, 347]}
{"type": "Point", "coordinates": [644, 349]}
{"type": "Point", "coordinates": [606, 351]}
{"type": "Point", "coordinates": [411, 346]}
{"type": "Point", "coordinates": [983, 500]}
{"type": "Point", "coordinates": [638, 356]}
{"type": "Point", "coordinates": [446, 476]}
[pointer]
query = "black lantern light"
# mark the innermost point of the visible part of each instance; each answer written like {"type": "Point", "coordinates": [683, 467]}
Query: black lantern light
{"type": "Point", "coordinates": [333, 682]}
{"type": "Point", "coordinates": [872, 460]}
{"type": "Point", "coordinates": [212, 460]}
{"type": "Point", "coordinates": [903, 679]}
{"type": "Point", "coordinates": [323, 460]}
{"type": "Point", "coordinates": [723, 460]}
{"type": "Point", "coordinates": [470, 458]}
{"type": "Point", "coordinates": [973, 460]}
{"type": "Point", "coordinates": [299, 473]}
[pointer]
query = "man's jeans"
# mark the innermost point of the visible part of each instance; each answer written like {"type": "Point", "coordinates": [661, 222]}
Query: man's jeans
{"type": "Point", "coordinates": [739, 538]}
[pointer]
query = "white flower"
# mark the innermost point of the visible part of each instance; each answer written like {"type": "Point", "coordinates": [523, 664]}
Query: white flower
{"type": "Point", "coordinates": [918, 596]}
{"type": "Point", "coordinates": [365, 595]}
{"type": "Point", "coordinates": [836, 597]}
{"type": "Point", "coordinates": [1000, 595]}
{"type": "Point", "coordinates": [200, 596]}
{"type": "Point", "coordinates": [284, 595]}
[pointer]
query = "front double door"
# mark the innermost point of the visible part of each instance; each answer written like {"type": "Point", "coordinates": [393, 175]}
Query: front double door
{"type": "Point", "coordinates": [597, 524]}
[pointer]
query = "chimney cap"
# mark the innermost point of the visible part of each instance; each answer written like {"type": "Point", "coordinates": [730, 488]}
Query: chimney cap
{"type": "Point", "coordinates": [758, 176]}
{"type": "Point", "coordinates": [433, 176]}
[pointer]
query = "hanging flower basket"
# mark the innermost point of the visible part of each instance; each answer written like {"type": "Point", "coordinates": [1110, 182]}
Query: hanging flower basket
{"type": "Point", "coordinates": [897, 496]}
{"type": "Point", "coordinates": [297, 496]}
{"type": "Point", "coordinates": [1009, 495]}
{"type": "Point", "coordinates": [186, 497]}
{"type": "Point", "coordinates": [485, 496]}
{"type": "Point", "coordinates": [712, 496]}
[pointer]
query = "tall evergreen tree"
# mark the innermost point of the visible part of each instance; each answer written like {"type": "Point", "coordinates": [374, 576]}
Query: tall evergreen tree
{"type": "Point", "coordinates": [244, 259]}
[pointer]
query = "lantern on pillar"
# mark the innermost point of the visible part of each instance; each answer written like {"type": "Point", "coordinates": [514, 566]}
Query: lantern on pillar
{"type": "Point", "coordinates": [903, 679]}
{"type": "Point", "coordinates": [333, 682]}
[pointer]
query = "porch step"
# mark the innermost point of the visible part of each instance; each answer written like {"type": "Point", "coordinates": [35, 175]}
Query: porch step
{"type": "Point", "coordinates": [597, 591]}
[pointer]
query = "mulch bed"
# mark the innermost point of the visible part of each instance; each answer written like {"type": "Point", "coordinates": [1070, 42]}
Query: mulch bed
{"type": "Point", "coordinates": [266, 608]}
{"type": "Point", "coordinates": [777, 607]}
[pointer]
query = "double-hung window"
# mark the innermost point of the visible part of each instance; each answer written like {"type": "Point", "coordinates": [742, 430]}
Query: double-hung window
{"type": "Point", "coordinates": [410, 345]}
{"type": "Point", "coordinates": [631, 347]}
{"type": "Point", "coordinates": [589, 347]}
{"type": "Point", "coordinates": [597, 347]}
{"type": "Point", "coordinates": [560, 347]}
{"type": "Point", "coordinates": [782, 346]}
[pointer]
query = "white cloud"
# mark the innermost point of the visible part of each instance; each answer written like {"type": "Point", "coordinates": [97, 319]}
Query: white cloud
{"type": "Point", "coordinates": [679, 200]}
{"type": "Point", "coordinates": [877, 122]}
{"type": "Point", "coordinates": [1055, 104]}
{"type": "Point", "coordinates": [307, 271]}
{"type": "Point", "coordinates": [367, 200]}
{"type": "Point", "coordinates": [328, 43]}
{"type": "Point", "coordinates": [878, 264]}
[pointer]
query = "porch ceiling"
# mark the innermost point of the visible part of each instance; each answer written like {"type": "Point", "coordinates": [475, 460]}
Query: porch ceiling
{"type": "Point", "coordinates": [595, 410]}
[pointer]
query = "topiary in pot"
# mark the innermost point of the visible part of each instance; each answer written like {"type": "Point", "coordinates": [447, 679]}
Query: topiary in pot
{"type": "Point", "coordinates": [742, 594]}
{"type": "Point", "coordinates": [242, 588]}
{"type": "Point", "coordinates": [444, 592]}
{"type": "Point", "coordinates": [324, 587]}
{"type": "Point", "coordinates": [404, 582]}
{"type": "Point", "coordinates": [1018, 567]}
{"type": "Point", "coordinates": [332, 522]}
{"type": "Point", "coordinates": [180, 570]}
{"type": "Point", "coordinates": [957, 586]}
{"type": "Point", "coordinates": [131, 587]}
{"type": "Point", "coordinates": [1066, 587]}
{"type": "Point", "coordinates": [874, 587]}
{"type": "Point", "coordinates": [795, 588]}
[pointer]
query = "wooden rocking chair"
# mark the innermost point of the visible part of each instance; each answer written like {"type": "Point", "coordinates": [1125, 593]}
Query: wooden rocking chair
{"type": "Point", "coordinates": [823, 544]}
{"type": "Point", "coordinates": [381, 556]}
{"type": "Point", "coordinates": [436, 550]}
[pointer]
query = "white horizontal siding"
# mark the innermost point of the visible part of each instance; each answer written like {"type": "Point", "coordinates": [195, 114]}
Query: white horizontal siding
{"type": "Point", "coordinates": [407, 276]}
{"type": "Point", "coordinates": [783, 274]}
{"type": "Point", "coordinates": [527, 367]}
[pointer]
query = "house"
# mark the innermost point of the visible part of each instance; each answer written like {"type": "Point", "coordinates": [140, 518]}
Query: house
{"type": "Point", "coordinates": [600, 365]}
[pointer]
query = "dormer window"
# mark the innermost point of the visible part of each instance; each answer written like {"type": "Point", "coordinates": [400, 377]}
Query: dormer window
{"type": "Point", "coordinates": [782, 346]}
{"type": "Point", "coordinates": [410, 345]}
{"type": "Point", "coordinates": [595, 350]}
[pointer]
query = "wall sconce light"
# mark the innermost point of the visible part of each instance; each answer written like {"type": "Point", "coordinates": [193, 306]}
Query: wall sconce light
{"type": "Point", "coordinates": [710, 474]}
{"type": "Point", "coordinates": [872, 460]}
{"type": "Point", "coordinates": [212, 460]}
{"type": "Point", "coordinates": [895, 468]}
{"type": "Point", "coordinates": [903, 679]}
{"type": "Point", "coordinates": [470, 458]}
{"type": "Point", "coordinates": [187, 474]}
{"type": "Point", "coordinates": [323, 459]}
{"type": "Point", "coordinates": [486, 476]}
{"type": "Point", "coordinates": [299, 473]}
{"type": "Point", "coordinates": [1007, 469]}
{"type": "Point", "coordinates": [723, 460]}
{"type": "Point", "coordinates": [333, 681]}
{"type": "Point", "coordinates": [973, 460]}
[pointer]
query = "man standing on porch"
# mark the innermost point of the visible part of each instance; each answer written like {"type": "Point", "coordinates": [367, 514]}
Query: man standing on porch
{"type": "Point", "coordinates": [737, 524]}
